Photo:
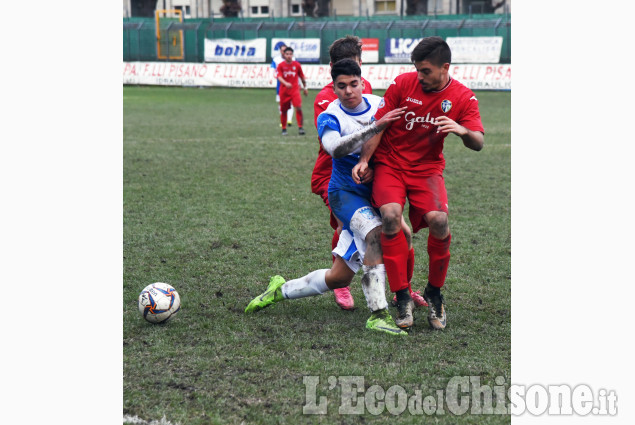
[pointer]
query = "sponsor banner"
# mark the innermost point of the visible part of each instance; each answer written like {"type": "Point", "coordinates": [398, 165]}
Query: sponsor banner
{"type": "Point", "coordinates": [476, 77]}
{"type": "Point", "coordinates": [165, 73]}
{"type": "Point", "coordinates": [398, 50]}
{"type": "Point", "coordinates": [483, 77]}
{"type": "Point", "coordinates": [370, 50]}
{"type": "Point", "coordinates": [228, 50]}
{"type": "Point", "coordinates": [475, 49]}
{"type": "Point", "coordinates": [304, 49]}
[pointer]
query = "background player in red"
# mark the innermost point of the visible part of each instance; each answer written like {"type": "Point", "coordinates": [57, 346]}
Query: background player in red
{"type": "Point", "coordinates": [280, 46]}
{"type": "Point", "coordinates": [349, 47]}
{"type": "Point", "coordinates": [409, 163]}
{"type": "Point", "coordinates": [288, 73]}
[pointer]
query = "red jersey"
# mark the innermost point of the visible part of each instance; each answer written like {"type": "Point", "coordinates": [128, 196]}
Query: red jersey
{"type": "Point", "coordinates": [322, 169]}
{"type": "Point", "coordinates": [290, 72]}
{"type": "Point", "coordinates": [413, 142]}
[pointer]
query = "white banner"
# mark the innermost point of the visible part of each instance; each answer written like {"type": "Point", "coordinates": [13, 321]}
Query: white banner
{"type": "Point", "coordinates": [476, 76]}
{"type": "Point", "coordinates": [304, 49]}
{"type": "Point", "coordinates": [228, 50]}
{"type": "Point", "coordinates": [475, 49]}
{"type": "Point", "coordinates": [370, 51]}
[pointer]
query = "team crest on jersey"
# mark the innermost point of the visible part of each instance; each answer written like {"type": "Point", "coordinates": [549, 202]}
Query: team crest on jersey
{"type": "Point", "coordinates": [446, 105]}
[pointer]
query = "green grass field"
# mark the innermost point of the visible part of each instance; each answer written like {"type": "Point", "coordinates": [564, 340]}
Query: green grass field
{"type": "Point", "coordinates": [216, 202]}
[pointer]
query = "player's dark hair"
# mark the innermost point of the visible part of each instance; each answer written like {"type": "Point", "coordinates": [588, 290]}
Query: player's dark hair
{"type": "Point", "coordinates": [345, 67]}
{"type": "Point", "coordinates": [349, 47]}
{"type": "Point", "coordinates": [288, 49]}
{"type": "Point", "coordinates": [432, 49]}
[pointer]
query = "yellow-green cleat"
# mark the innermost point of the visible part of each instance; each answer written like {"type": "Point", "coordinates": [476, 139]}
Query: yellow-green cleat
{"type": "Point", "coordinates": [382, 321]}
{"type": "Point", "coordinates": [272, 295]}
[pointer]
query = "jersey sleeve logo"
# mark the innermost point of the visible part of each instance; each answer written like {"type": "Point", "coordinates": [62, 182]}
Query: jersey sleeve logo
{"type": "Point", "coordinates": [381, 103]}
{"type": "Point", "coordinates": [323, 101]}
{"type": "Point", "coordinates": [446, 105]}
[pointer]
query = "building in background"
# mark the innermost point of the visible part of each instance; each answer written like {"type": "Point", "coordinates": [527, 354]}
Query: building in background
{"type": "Point", "coordinates": [294, 8]}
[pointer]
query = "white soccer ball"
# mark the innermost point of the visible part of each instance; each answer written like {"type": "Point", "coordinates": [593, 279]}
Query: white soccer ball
{"type": "Point", "coordinates": [159, 302]}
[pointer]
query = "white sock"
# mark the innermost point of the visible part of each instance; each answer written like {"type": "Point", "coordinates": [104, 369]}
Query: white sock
{"type": "Point", "coordinates": [290, 114]}
{"type": "Point", "coordinates": [307, 286]}
{"type": "Point", "coordinates": [374, 286]}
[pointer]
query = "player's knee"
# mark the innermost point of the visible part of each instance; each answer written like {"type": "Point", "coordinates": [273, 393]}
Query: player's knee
{"type": "Point", "coordinates": [438, 224]}
{"type": "Point", "coordinates": [390, 222]}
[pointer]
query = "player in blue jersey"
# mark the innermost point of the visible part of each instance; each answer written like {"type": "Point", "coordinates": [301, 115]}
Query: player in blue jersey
{"type": "Point", "coordinates": [280, 46]}
{"type": "Point", "coordinates": [343, 128]}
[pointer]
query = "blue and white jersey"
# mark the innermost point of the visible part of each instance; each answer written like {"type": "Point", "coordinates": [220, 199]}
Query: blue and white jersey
{"type": "Point", "coordinates": [337, 119]}
{"type": "Point", "coordinates": [349, 201]}
{"type": "Point", "coordinates": [274, 64]}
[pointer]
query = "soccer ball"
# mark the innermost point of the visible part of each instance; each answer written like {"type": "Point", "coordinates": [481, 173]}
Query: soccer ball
{"type": "Point", "coordinates": [159, 302]}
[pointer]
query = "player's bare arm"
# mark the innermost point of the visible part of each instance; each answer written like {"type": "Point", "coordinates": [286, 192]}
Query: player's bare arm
{"type": "Point", "coordinates": [471, 139]}
{"type": "Point", "coordinates": [360, 170]}
{"type": "Point", "coordinates": [305, 88]}
{"type": "Point", "coordinates": [339, 146]}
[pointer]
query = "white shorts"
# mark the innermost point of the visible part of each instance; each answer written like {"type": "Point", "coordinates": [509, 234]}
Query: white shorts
{"type": "Point", "coordinates": [351, 246]}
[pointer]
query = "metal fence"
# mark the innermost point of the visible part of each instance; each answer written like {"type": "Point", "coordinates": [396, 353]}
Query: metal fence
{"type": "Point", "coordinates": [140, 39]}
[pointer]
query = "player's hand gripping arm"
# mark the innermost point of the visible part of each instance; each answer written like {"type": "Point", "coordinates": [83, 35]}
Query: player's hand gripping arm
{"type": "Point", "coordinates": [339, 146]}
{"type": "Point", "coordinates": [471, 139]}
{"type": "Point", "coordinates": [362, 173]}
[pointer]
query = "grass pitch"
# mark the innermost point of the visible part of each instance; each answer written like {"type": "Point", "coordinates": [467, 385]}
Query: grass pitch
{"type": "Point", "coordinates": [216, 202]}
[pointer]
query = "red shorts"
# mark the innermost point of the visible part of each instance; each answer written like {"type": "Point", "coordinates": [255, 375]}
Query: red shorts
{"type": "Point", "coordinates": [425, 192]}
{"type": "Point", "coordinates": [288, 98]}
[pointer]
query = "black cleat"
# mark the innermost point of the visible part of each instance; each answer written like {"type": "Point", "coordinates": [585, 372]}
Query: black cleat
{"type": "Point", "coordinates": [405, 306]}
{"type": "Point", "coordinates": [436, 307]}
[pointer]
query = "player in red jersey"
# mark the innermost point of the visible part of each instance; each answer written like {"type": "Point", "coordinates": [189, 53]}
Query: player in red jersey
{"type": "Point", "coordinates": [409, 162]}
{"type": "Point", "coordinates": [349, 47]}
{"type": "Point", "coordinates": [288, 73]}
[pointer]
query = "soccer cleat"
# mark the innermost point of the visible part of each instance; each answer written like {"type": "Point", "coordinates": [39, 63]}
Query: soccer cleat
{"type": "Point", "coordinates": [289, 124]}
{"type": "Point", "coordinates": [344, 299]}
{"type": "Point", "coordinates": [272, 295]}
{"type": "Point", "coordinates": [436, 307]}
{"type": "Point", "coordinates": [284, 132]}
{"type": "Point", "coordinates": [416, 297]}
{"type": "Point", "coordinates": [405, 318]}
{"type": "Point", "coordinates": [301, 131]}
{"type": "Point", "coordinates": [382, 321]}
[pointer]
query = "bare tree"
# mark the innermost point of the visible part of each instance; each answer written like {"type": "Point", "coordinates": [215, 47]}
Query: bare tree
{"type": "Point", "coordinates": [417, 7]}
{"type": "Point", "coordinates": [323, 7]}
{"type": "Point", "coordinates": [230, 8]}
{"type": "Point", "coordinates": [309, 7]}
{"type": "Point", "coordinates": [316, 8]}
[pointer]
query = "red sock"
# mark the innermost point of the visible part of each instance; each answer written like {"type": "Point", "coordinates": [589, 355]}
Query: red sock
{"type": "Point", "coordinates": [395, 251]}
{"type": "Point", "coordinates": [336, 238]}
{"type": "Point", "coordinates": [283, 119]}
{"type": "Point", "coordinates": [439, 252]}
{"type": "Point", "coordinates": [298, 116]}
{"type": "Point", "coordinates": [411, 263]}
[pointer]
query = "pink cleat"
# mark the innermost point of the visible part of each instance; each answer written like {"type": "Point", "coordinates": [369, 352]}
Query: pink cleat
{"type": "Point", "coordinates": [416, 297]}
{"type": "Point", "coordinates": [344, 299]}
